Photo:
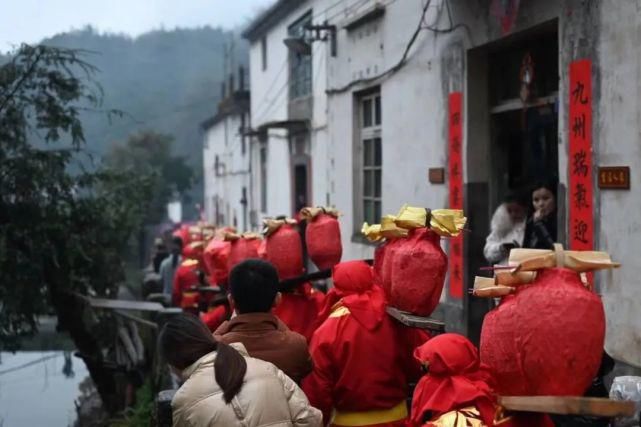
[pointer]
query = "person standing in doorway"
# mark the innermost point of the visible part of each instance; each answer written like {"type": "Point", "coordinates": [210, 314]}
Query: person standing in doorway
{"type": "Point", "coordinates": [541, 229]}
{"type": "Point", "coordinates": [508, 229]}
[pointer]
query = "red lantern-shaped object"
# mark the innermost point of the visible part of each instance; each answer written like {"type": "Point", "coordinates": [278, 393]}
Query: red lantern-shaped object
{"type": "Point", "coordinates": [547, 338]}
{"type": "Point", "coordinates": [242, 249]}
{"type": "Point", "coordinates": [418, 268]}
{"type": "Point", "coordinates": [384, 266]}
{"type": "Point", "coordinates": [323, 238]}
{"type": "Point", "coordinates": [215, 259]}
{"type": "Point", "coordinates": [284, 249]}
{"type": "Point", "coordinates": [262, 249]}
{"type": "Point", "coordinates": [183, 233]}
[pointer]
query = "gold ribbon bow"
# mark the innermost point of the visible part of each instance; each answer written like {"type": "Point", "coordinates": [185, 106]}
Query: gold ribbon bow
{"type": "Point", "coordinates": [387, 229]}
{"type": "Point", "coordinates": [270, 226]}
{"type": "Point", "coordinates": [310, 213]}
{"type": "Point", "coordinates": [230, 237]}
{"type": "Point", "coordinates": [445, 222]}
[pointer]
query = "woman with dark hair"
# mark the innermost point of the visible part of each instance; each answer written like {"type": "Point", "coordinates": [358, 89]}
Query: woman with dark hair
{"type": "Point", "coordinates": [223, 386]}
{"type": "Point", "coordinates": [540, 229]}
{"type": "Point", "coordinates": [508, 229]}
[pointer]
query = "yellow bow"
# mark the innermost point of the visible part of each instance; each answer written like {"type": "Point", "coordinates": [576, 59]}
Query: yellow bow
{"type": "Point", "coordinates": [445, 222]}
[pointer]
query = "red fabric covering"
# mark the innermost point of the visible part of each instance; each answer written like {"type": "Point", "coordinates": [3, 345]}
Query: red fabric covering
{"type": "Point", "coordinates": [418, 272]}
{"type": "Point", "coordinates": [186, 276]}
{"type": "Point", "coordinates": [242, 249]}
{"type": "Point", "coordinates": [214, 317]}
{"type": "Point", "coordinates": [183, 233]}
{"type": "Point", "coordinates": [299, 310]}
{"type": "Point", "coordinates": [215, 258]}
{"type": "Point", "coordinates": [455, 380]}
{"type": "Point", "coordinates": [547, 339]}
{"type": "Point", "coordinates": [323, 239]}
{"type": "Point", "coordinates": [284, 249]}
{"type": "Point", "coordinates": [358, 369]}
{"type": "Point", "coordinates": [262, 249]}
{"type": "Point", "coordinates": [379, 259]}
{"type": "Point", "coordinates": [383, 264]}
{"type": "Point", "coordinates": [353, 286]}
{"type": "Point", "coordinates": [194, 250]}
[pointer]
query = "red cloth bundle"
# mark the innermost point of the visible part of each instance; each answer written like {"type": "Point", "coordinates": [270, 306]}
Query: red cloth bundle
{"type": "Point", "coordinates": [183, 233]}
{"type": "Point", "coordinates": [418, 268]}
{"type": "Point", "coordinates": [455, 380]}
{"type": "Point", "coordinates": [284, 249]}
{"type": "Point", "coordinates": [299, 309]}
{"type": "Point", "coordinates": [242, 248]}
{"type": "Point", "coordinates": [547, 338]}
{"type": "Point", "coordinates": [186, 276]}
{"type": "Point", "coordinates": [215, 259]}
{"type": "Point", "coordinates": [323, 237]}
{"type": "Point", "coordinates": [214, 317]}
{"type": "Point", "coordinates": [389, 249]}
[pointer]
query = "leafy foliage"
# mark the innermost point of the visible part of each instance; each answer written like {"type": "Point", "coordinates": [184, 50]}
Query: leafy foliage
{"type": "Point", "coordinates": [166, 80]}
{"type": "Point", "coordinates": [150, 153]}
{"type": "Point", "coordinates": [60, 233]}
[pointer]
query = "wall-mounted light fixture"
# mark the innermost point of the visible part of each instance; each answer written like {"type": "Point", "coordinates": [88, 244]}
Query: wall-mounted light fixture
{"type": "Point", "coordinates": [302, 45]}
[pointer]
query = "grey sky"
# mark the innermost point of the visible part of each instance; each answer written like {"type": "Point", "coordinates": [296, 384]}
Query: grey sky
{"type": "Point", "coordinates": [32, 20]}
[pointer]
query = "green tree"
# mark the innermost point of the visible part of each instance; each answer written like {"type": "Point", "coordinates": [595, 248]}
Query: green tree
{"type": "Point", "coordinates": [61, 234]}
{"type": "Point", "coordinates": [150, 153]}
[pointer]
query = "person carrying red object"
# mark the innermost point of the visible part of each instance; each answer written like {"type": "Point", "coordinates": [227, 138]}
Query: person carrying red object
{"type": "Point", "coordinates": [215, 316]}
{"type": "Point", "coordinates": [455, 379]}
{"type": "Point", "coordinates": [299, 309]}
{"type": "Point", "coordinates": [362, 357]}
{"type": "Point", "coordinates": [457, 387]}
{"type": "Point", "coordinates": [187, 276]}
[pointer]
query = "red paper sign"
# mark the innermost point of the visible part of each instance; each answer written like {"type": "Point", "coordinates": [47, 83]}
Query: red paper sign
{"type": "Point", "coordinates": [581, 212]}
{"type": "Point", "coordinates": [455, 168]}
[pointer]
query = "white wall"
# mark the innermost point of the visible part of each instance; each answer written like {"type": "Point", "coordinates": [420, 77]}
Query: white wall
{"type": "Point", "coordinates": [269, 103]}
{"type": "Point", "coordinates": [414, 125]}
{"type": "Point", "coordinates": [223, 139]}
{"type": "Point", "coordinates": [413, 108]}
{"type": "Point", "coordinates": [618, 136]}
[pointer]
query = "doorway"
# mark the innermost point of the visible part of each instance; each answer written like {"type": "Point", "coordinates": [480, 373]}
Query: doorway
{"type": "Point", "coordinates": [301, 162]}
{"type": "Point", "coordinates": [512, 128]}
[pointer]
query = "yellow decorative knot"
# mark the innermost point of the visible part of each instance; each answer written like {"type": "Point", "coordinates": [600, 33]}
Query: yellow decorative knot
{"type": "Point", "coordinates": [270, 226]}
{"type": "Point", "coordinates": [310, 213]}
{"type": "Point", "coordinates": [444, 222]}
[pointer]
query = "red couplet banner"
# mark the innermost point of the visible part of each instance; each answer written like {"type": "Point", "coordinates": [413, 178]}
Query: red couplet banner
{"type": "Point", "coordinates": [580, 189]}
{"type": "Point", "coordinates": [455, 170]}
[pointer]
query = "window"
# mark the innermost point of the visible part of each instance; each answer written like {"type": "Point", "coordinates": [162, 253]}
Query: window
{"type": "Point", "coordinates": [263, 51]}
{"type": "Point", "coordinates": [371, 157]}
{"type": "Point", "coordinates": [263, 178]}
{"type": "Point", "coordinates": [300, 62]}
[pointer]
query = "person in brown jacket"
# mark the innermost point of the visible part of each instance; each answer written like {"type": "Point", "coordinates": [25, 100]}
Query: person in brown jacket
{"type": "Point", "coordinates": [254, 292]}
{"type": "Point", "coordinates": [225, 387]}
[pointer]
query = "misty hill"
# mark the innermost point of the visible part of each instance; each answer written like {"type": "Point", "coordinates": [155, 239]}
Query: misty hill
{"type": "Point", "coordinates": [166, 81]}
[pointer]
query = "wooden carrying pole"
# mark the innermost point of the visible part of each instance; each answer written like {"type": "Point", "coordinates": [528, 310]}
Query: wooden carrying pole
{"type": "Point", "coordinates": [586, 406]}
